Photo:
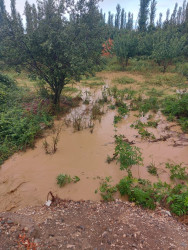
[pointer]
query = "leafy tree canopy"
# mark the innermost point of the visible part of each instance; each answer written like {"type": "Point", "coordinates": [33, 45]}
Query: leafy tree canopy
{"type": "Point", "coordinates": [53, 47]}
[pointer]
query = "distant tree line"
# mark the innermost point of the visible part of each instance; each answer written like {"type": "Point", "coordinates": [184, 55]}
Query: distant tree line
{"type": "Point", "coordinates": [161, 40]}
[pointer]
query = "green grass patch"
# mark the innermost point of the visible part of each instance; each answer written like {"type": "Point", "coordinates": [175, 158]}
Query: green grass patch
{"type": "Point", "coordinates": [93, 84]}
{"type": "Point", "coordinates": [124, 80]}
{"type": "Point", "coordinates": [70, 89]}
{"type": "Point", "coordinates": [172, 80]}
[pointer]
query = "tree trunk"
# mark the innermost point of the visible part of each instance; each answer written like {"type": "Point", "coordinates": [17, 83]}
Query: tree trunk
{"type": "Point", "coordinates": [57, 94]}
{"type": "Point", "coordinates": [127, 60]}
{"type": "Point", "coordinates": [164, 68]}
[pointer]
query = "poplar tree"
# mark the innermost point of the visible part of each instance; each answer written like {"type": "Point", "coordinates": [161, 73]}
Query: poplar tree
{"type": "Point", "coordinates": [153, 12]}
{"type": "Point", "coordinates": [118, 16]}
{"type": "Point", "coordinates": [143, 14]}
{"type": "Point", "coordinates": [123, 19]}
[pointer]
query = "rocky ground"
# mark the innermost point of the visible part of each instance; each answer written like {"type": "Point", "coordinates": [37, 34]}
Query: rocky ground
{"type": "Point", "coordinates": [91, 225]}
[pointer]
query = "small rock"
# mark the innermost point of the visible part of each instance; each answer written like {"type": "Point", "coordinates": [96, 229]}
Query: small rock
{"type": "Point", "coordinates": [70, 246]}
{"type": "Point", "coordinates": [104, 234]}
{"type": "Point", "coordinates": [81, 227]}
{"type": "Point", "coordinates": [183, 244]}
{"type": "Point", "coordinates": [10, 222]}
{"type": "Point", "coordinates": [26, 229]}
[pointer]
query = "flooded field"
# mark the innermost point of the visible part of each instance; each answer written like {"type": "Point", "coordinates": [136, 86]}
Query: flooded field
{"type": "Point", "coordinates": [84, 144]}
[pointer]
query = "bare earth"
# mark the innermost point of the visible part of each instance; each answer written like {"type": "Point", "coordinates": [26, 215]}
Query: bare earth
{"type": "Point", "coordinates": [91, 225]}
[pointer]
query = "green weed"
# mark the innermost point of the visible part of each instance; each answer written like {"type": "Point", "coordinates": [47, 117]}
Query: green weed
{"type": "Point", "coordinates": [152, 169]}
{"type": "Point", "coordinates": [107, 190]}
{"type": "Point", "coordinates": [177, 171]}
{"type": "Point", "coordinates": [63, 179]}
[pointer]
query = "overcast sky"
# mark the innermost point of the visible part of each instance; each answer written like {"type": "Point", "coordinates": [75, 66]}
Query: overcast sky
{"type": "Point", "coordinates": [110, 5]}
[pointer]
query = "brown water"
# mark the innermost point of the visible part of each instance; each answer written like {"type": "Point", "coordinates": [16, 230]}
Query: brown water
{"type": "Point", "coordinates": [27, 177]}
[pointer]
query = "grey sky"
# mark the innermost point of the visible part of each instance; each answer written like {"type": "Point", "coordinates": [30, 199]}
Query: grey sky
{"type": "Point", "coordinates": [110, 5]}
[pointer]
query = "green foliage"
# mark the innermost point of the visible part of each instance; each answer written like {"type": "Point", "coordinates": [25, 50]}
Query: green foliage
{"type": "Point", "coordinates": [117, 119]}
{"type": "Point", "coordinates": [145, 105]}
{"type": "Point", "coordinates": [124, 80]}
{"type": "Point", "coordinates": [177, 107]}
{"type": "Point", "coordinates": [145, 133]}
{"type": "Point", "coordinates": [183, 69]}
{"type": "Point", "coordinates": [126, 154]}
{"type": "Point", "coordinates": [123, 110]}
{"type": "Point", "coordinates": [167, 46]}
{"type": "Point", "coordinates": [177, 171]}
{"type": "Point", "coordinates": [22, 118]}
{"type": "Point", "coordinates": [178, 203]}
{"type": "Point", "coordinates": [63, 179]}
{"type": "Point", "coordinates": [53, 47]}
{"type": "Point", "coordinates": [145, 194]}
{"type": "Point", "coordinates": [107, 190]}
{"type": "Point", "coordinates": [125, 47]}
{"type": "Point", "coordinates": [141, 194]}
{"type": "Point", "coordinates": [173, 80]}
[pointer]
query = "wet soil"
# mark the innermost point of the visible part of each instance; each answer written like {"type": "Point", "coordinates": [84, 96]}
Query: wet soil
{"type": "Point", "coordinates": [27, 177]}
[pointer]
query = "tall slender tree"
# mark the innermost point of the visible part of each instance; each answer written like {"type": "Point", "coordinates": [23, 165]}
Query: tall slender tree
{"type": "Point", "coordinates": [153, 12]}
{"type": "Point", "coordinates": [143, 14]}
{"type": "Point", "coordinates": [123, 19]}
{"type": "Point", "coordinates": [118, 16]}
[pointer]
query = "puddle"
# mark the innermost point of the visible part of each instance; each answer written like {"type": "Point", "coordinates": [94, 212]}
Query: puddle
{"type": "Point", "coordinates": [27, 177]}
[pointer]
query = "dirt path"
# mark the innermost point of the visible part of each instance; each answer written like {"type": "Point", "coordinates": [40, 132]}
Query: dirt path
{"type": "Point", "coordinates": [91, 225]}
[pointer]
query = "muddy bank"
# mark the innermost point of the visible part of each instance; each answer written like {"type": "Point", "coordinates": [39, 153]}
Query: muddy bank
{"type": "Point", "coordinates": [27, 177]}
{"type": "Point", "coordinates": [91, 225]}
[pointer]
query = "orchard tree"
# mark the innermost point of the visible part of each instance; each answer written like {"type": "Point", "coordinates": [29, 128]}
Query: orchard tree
{"type": "Point", "coordinates": [167, 46]}
{"type": "Point", "coordinates": [125, 46]}
{"type": "Point", "coordinates": [52, 47]}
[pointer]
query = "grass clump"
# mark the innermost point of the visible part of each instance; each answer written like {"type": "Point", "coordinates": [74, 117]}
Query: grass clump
{"type": "Point", "coordinates": [63, 179]}
{"type": "Point", "coordinates": [117, 118]}
{"type": "Point", "coordinates": [152, 169]}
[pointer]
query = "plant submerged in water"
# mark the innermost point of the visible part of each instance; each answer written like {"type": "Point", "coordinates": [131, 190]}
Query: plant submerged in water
{"type": "Point", "coordinates": [126, 154]}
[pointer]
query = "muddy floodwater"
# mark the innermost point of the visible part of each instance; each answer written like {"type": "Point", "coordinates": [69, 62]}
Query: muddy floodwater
{"type": "Point", "coordinates": [27, 177]}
